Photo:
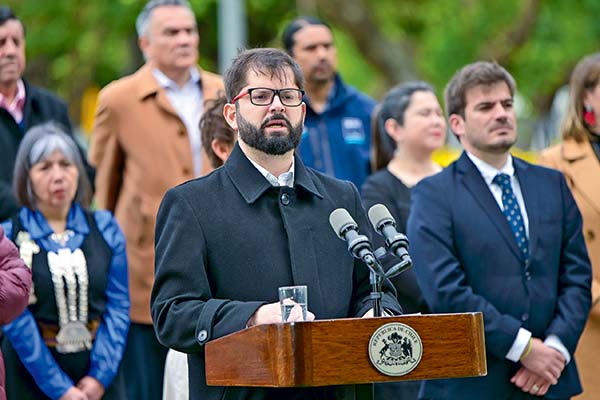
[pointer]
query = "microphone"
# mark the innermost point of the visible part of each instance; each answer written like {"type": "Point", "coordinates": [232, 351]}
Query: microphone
{"type": "Point", "coordinates": [396, 242]}
{"type": "Point", "coordinates": [346, 229]}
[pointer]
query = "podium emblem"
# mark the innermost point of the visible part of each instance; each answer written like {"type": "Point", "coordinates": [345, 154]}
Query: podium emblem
{"type": "Point", "coordinates": [395, 349]}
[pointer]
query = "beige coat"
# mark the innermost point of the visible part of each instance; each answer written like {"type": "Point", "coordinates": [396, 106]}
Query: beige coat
{"type": "Point", "coordinates": [140, 148]}
{"type": "Point", "coordinates": [581, 168]}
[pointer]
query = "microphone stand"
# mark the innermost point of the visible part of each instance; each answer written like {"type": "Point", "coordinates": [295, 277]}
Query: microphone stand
{"type": "Point", "coordinates": [376, 279]}
{"type": "Point", "coordinates": [377, 275]}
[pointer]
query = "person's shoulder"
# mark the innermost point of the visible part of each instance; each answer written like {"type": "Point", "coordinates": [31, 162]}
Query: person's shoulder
{"type": "Point", "coordinates": [329, 185]}
{"type": "Point", "coordinates": [529, 166]}
{"type": "Point", "coordinates": [126, 86]}
{"type": "Point", "coordinates": [212, 84]}
{"type": "Point", "coordinates": [447, 174]}
{"type": "Point", "coordinates": [552, 152]}
{"type": "Point", "coordinates": [201, 186]}
{"type": "Point", "coordinates": [378, 179]}
{"type": "Point", "coordinates": [541, 173]}
{"type": "Point", "coordinates": [358, 97]}
{"type": "Point", "coordinates": [109, 228]}
{"type": "Point", "coordinates": [566, 153]}
{"type": "Point", "coordinates": [442, 183]}
{"type": "Point", "coordinates": [211, 78]}
{"type": "Point", "coordinates": [383, 187]}
{"type": "Point", "coordinates": [363, 97]}
{"type": "Point", "coordinates": [353, 97]}
{"type": "Point", "coordinates": [44, 96]}
{"type": "Point", "coordinates": [120, 86]}
{"type": "Point", "coordinates": [102, 218]}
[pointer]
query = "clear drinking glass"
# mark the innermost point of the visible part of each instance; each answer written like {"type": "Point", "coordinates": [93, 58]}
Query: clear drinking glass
{"type": "Point", "coordinates": [293, 301]}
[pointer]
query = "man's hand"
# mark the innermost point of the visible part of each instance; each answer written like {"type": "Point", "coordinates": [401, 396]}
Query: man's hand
{"type": "Point", "coordinates": [544, 361]}
{"type": "Point", "coordinates": [91, 387]}
{"type": "Point", "coordinates": [271, 313]}
{"type": "Point", "coordinates": [529, 382]}
{"type": "Point", "coordinates": [74, 394]}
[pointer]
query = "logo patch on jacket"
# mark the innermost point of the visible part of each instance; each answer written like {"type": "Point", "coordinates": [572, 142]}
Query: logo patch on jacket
{"type": "Point", "coordinates": [353, 130]}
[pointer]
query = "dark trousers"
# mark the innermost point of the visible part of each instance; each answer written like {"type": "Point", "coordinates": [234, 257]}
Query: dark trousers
{"type": "Point", "coordinates": [515, 394]}
{"type": "Point", "coordinates": [406, 390]}
{"type": "Point", "coordinates": [143, 363]}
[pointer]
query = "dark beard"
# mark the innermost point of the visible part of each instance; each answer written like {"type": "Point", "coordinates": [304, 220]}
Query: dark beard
{"type": "Point", "coordinates": [274, 145]}
{"type": "Point", "coordinates": [321, 78]}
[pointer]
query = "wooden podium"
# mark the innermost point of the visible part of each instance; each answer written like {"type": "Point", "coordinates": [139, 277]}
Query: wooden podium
{"type": "Point", "coordinates": [335, 352]}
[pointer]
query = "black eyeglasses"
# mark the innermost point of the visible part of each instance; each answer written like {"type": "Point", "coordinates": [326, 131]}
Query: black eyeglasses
{"type": "Point", "coordinates": [264, 96]}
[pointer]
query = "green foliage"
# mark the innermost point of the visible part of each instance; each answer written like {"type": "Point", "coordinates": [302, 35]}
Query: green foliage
{"type": "Point", "coordinates": [72, 44]}
{"type": "Point", "coordinates": [460, 32]}
{"type": "Point", "coordinates": [354, 68]}
{"type": "Point", "coordinates": [562, 35]}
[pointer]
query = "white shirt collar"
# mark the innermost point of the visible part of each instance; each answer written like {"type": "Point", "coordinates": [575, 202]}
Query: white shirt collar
{"type": "Point", "coordinates": [167, 83]}
{"type": "Point", "coordinates": [488, 172]}
{"type": "Point", "coordinates": [285, 179]}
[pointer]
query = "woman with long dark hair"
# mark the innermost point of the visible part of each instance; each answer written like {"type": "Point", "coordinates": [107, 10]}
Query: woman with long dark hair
{"type": "Point", "coordinates": [408, 126]}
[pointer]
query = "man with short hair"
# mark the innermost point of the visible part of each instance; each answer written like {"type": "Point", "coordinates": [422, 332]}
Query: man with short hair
{"type": "Point", "coordinates": [227, 241]}
{"type": "Point", "coordinates": [22, 105]}
{"type": "Point", "coordinates": [146, 140]}
{"type": "Point", "coordinates": [337, 130]}
{"type": "Point", "coordinates": [495, 234]}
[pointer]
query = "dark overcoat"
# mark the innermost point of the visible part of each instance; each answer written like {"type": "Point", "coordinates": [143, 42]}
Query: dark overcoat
{"type": "Point", "coordinates": [227, 241]}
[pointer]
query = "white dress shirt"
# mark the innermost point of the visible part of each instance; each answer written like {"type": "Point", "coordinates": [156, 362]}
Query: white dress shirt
{"type": "Point", "coordinates": [285, 179]}
{"type": "Point", "coordinates": [188, 102]}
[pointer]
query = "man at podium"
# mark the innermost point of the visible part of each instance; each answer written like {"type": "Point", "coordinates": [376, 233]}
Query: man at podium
{"type": "Point", "coordinates": [225, 242]}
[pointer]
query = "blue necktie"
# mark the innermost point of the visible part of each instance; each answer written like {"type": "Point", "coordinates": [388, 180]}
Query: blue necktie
{"type": "Point", "coordinates": [512, 212]}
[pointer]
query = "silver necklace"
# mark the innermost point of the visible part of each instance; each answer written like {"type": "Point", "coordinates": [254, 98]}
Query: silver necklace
{"type": "Point", "coordinates": [27, 248]}
{"type": "Point", "coordinates": [62, 238]}
{"type": "Point", "coordinates": [72, 304]}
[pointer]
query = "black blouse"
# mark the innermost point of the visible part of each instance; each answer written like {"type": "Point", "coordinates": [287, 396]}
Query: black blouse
{"type": "Point", "coordinates": [385, 188]}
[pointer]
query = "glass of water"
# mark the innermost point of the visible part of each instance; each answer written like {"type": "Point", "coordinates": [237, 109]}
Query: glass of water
{"type": "Point", "coordinates": [293, 301]}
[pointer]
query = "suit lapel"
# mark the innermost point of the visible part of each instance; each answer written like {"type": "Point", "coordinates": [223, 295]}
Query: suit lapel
{"type": "Point", "coordinates": [163, 102]}
{"type": "Point", "coordinates": [148, 86]}
{"type": "Point", "coordinates": [27, 110]}
{"type": "Point", "coordinates": [531, 198]}
{"type": "Point", "coordinates": [475, 184]}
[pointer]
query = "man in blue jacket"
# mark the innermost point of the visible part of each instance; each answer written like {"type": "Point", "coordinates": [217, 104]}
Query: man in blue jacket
{"type": "Point", "coordinates": [337, 129]}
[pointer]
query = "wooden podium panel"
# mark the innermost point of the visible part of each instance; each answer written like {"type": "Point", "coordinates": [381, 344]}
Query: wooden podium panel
{"type": "Point", "coordinates": [335, 352]}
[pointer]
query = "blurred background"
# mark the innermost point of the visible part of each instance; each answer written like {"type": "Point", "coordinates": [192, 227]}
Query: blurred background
{"type": "Point", "coordinates": [75, 47]}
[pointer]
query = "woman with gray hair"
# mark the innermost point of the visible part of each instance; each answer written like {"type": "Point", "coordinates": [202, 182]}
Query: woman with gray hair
{"type": "Point", "coordinates": [69, 342]}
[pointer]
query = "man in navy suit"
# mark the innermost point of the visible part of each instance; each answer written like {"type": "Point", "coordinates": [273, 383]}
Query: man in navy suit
{"type": "Point", "coordinates": [495, 234]}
